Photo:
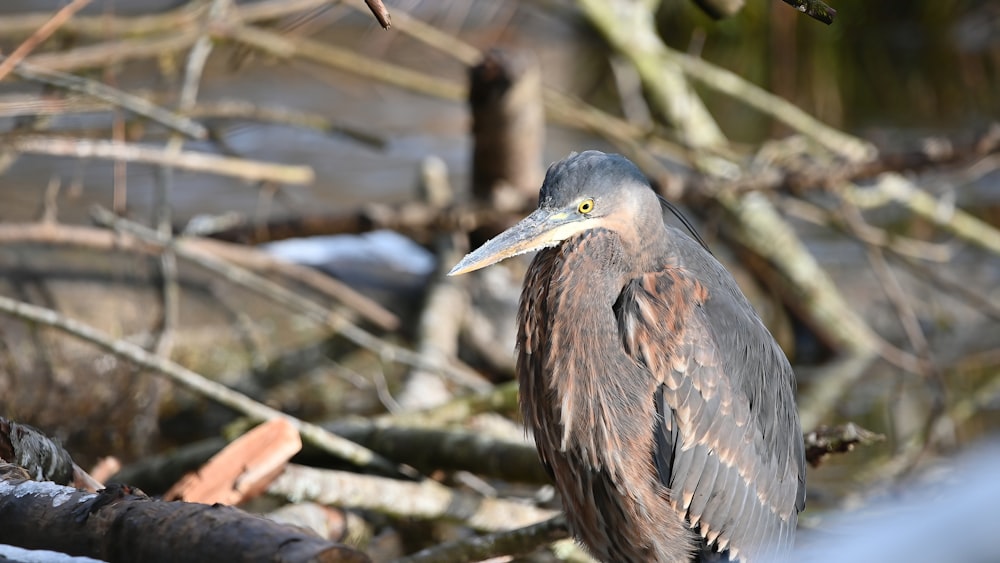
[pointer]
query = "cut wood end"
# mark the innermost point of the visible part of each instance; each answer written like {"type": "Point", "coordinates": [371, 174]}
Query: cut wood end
{"type": "Point", "coordinates": [244, 468]}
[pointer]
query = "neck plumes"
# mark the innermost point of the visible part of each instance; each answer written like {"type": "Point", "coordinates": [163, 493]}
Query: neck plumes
{"type": "Point", "coordinates": [571, 364]}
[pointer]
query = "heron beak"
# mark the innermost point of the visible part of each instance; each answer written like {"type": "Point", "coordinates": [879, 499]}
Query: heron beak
{"type": "Point", "coordinates": [541, 229]}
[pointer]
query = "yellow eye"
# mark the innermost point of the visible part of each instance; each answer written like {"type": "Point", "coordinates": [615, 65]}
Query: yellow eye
{"type": "Point", "coordinates": [586, 206]}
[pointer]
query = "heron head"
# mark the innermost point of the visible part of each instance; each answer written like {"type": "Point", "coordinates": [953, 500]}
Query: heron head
{"type": "Point", "coordinates": [584, 191]}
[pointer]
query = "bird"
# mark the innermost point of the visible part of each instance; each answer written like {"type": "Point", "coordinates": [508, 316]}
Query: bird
{"type": "Point", "coordinates": [660, 404]}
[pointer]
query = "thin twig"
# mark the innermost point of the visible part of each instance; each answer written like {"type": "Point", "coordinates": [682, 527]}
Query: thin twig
{"type": "Point", "coordinates": [192, 381]}
{"type": "Point", "coordinates": [251, 170]}
{"type": "Point", "coordinates": [41, 34]}
{"type": "Point", "coordinates": [113, 96]}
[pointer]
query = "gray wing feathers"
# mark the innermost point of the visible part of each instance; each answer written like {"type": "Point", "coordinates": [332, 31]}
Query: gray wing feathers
{"type": "Point", "coordinates": [736, 476]}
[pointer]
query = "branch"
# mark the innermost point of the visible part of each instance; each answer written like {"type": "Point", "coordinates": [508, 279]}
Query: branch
{"type": "Point", "coordinates": [250, 170]}
{"type": "Point", "coordinates": [123, 524]}
{"type": "Point", "coordinates": [40, 35]}
{"type": "Point", "coordinates": [425, 500]}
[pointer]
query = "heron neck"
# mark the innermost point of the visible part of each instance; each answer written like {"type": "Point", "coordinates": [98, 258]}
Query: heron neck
{"type": "Point", "coordinates": [591, 371]}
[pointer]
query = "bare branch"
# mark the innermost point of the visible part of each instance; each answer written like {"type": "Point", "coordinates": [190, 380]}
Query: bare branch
{"type": "Point", "coordinates": [250, 170]}
{"type": "Point", "coordinates": [40, 35]}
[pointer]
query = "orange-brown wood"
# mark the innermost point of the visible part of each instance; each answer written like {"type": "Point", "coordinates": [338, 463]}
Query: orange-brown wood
{"type": "Point", "coordinates": [243, 469]}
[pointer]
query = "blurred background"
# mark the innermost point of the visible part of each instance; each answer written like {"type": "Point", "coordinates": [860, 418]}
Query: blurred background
{"type": "Point", "coordinates": [865, 230]}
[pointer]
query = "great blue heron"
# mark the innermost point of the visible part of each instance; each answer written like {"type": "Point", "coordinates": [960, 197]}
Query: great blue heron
{"type": "Point", "coordinates": [660, 404]}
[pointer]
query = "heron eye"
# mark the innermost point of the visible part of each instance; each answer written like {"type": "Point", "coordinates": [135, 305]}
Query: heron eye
{"type": "Point", "coordinates": [586, 206]}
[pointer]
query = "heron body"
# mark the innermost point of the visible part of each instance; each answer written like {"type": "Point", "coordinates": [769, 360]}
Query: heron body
{"type": "Point", "coordinates": [660, 404]}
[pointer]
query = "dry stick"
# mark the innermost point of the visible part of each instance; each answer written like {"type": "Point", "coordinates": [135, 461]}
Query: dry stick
{"type": "Point", "coordinates": [18, 105]}
{"type": "Point", "coordinates": [559, 107]}
{"type": "Point", "coordinates": [41, 34]}
{"type": "Point", "coordinates": [319, 314]}
{"type": "Point", "coordinates": [195, 161]}
{"type": "Point", "coordinates": [197, 383]}
{"type": "Point", "coordinates": [826, 440]}
{"type": "Point", "coordinates": [426, 500]}
{"type": "Point", "coordinates": [158, 472]}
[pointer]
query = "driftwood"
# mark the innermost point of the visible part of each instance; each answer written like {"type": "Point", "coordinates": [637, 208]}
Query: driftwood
{"type": "Point", "coordinates": [123, 524]}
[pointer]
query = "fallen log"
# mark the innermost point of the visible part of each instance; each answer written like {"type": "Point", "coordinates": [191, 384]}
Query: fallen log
{"type": "Point", "coordinates": [120, 524]}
